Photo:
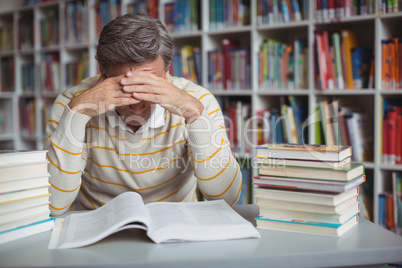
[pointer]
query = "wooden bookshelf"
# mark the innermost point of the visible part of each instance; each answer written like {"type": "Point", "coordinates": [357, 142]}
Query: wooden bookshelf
{"type": "Point", "coordinates": [69, 49]}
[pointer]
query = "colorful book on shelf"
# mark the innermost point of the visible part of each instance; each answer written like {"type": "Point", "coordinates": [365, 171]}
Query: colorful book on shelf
{"type": "Point", "coordinates": [307, 184]}
{"type": "Point", "coordinates": [304, 151]}
{"type": "Point", "coordinates": [344, 173]}
{"type": "Point", "coordinates": [397, 194]}
{"type": "Point", "coordinates": [306, 226]}
{"type": "Point", "coordinates": [336, 218]}
{"type": "Point", "coordinates": [350, 41]}
{"type": "Point", "coordinates": [305, 196]}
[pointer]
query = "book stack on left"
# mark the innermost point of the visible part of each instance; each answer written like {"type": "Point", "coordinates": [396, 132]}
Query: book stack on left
{"type": "Point", "coordinates": [307, 188]}
{"type": "Point", "coordinates": [24, 194]}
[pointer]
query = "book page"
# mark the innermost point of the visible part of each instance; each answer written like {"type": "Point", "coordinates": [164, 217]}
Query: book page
{"type": "Point", "coordinates": [80, 229]}
{"type": "Point", "coordinates": [197, 221]}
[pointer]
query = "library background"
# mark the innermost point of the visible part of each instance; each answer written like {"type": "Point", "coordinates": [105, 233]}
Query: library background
{"type": "Point", "coordinates": [295, 71]}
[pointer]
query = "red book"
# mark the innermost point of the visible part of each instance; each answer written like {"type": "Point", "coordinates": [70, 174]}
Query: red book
{"type": "Point", "coordinates": [322, 65]}
{"type": "Point", "coordinates": [396, 62]}
{"type": "Point", "coordinates": [385, 139]}
{"type": "Point", "coordinates": [400, 62]}
{"type": "Point", "coordinates": [398, 137]}
{"type": "Point", "coordinates": [328, 57]}
{"type": "Point", "coordinates": [227, 75]}
{"type": "Point", "coordinates": [391, 134]}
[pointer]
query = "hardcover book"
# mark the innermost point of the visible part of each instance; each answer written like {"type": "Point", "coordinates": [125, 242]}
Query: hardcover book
{"type": "Point", "coordinates": [308, 184]}
{"type": "Point", "coordinates": [299, 206]}
{"type": "Point", "coordinates": [304, 151]}
{"type": "Point", "coordinates": [309, 227]}
{"type": "Point", "coordinates": [344, 173]}
{"type": "Point", "coordinates": [306, 196]}
{"type": "Point", "coordinates": [338, 218]}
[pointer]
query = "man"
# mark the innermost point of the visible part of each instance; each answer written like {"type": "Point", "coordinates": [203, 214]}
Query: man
{"type": "Point", "coordinates": [136, 128]}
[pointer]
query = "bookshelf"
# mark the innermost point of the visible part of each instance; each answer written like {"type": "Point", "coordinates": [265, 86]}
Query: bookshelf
{"type": "Point", "coordinates": [52, 63]}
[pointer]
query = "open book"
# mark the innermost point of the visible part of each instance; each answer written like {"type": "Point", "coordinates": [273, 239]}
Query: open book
{"type": "Point", "coordinates": [163, 221]}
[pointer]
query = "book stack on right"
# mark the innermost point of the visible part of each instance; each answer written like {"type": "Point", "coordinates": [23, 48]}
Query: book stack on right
{"type": "Point", "coordinates": [307, 188]}
{"type": "Point", "coordinates": [24, 194]}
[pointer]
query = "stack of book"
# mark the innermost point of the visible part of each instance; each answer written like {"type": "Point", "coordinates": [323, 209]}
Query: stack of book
{"type": "Point", "coordinates": [307, 188]}
{"type": "Point", "coordinates": [24, 194]}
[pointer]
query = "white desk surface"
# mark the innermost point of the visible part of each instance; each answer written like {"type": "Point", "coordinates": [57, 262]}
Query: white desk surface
{"type": "Point", "coordinates": [365, 244]}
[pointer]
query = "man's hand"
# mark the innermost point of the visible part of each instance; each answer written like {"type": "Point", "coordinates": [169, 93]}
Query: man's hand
{"type": "Point", "coordinates": [145, 86]}
{"type": "Point", "coordinates": [105, 95]}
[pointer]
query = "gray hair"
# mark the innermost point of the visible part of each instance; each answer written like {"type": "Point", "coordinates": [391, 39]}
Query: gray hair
{"type": "Point", "coordinates": [134, 39]}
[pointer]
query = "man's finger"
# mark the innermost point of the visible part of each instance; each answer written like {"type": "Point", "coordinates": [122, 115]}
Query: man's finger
{"type": "Point", "coordinates": [146, 97]}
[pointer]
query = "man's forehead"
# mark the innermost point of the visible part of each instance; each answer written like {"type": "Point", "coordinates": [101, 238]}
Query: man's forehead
{"type": "Point", "coordinates": [156, 67]}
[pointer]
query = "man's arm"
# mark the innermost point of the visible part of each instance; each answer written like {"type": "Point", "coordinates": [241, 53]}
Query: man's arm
{"type": "Point", "coordinates": [66, 135]}
{"type": "Point", "coordinates": [215, 167]}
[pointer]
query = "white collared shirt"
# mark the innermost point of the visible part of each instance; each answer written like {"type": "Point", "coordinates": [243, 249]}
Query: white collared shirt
{"type": "Point", "coordinates": [155, 120]}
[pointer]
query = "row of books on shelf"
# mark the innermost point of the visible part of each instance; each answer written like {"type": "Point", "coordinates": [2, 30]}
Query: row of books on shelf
{"type": "Point", "coordinates": [27, 122]}
{"type": "Point", "coordinates": [182, 16]}
{"type": "Point", "coordinates": [7, 75]}
{"type": "Point", "coordinates": [6, 37]}
{"type": "Point", "coordinates": [3, 118]}
{"type": "Point", "coordinates": [344, 125]}
{"type": "Point", "coordinates": [24, 195]}
{"type": "Point", "coordinates": [77, 71]}
{"type": "Point", "coordinates": [284, 124]}
{"type": "Point", "coordinates": [307, 188]}
{"type": "Point", "coordinates": [187, 64]}
{"type": "Point", "coordinates": [228, 13]}
{"type": "Point", "coordinates": [34, 2]}
{"type": "Point", "coordinates": [50, 29]}
{"type": "Point", "coordinates": [50, 73]}
{"type": "Point", "coordinates": [392, 135]}
{"type": "Point", "coordinates": [26, 31]}
{"type": "Point", "coordinates": [76, 22]}
{"type": "Point", "coordinates": [283, 65]}
{"type": "Point", "coordinates": [329, 10]}
{"type": "Point", "coordinates": [278, 11]}
{"type": "Point", "coordinates": [341, 62]}
{"type": "Point", "coordinates": [105, 11]}
{"type": "Point", "coordinates": [229, 67]}
{"type": "Point", "coordinates": [236, 115]}
{"type": "Point", "coordinates": [150, 7]}
{"type": "Point", "coordinates": [390, 206]}
{"type": "Point", "coordinates": [391, 69]}
{"type": "Point", "coordinates": [28, 78]}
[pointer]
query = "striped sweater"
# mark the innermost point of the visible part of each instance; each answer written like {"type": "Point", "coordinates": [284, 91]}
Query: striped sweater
{"type": "Point", "coordinates": [91, 161]}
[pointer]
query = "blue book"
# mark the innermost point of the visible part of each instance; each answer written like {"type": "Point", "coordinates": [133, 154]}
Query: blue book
{"type": "Point", "coordinates": [319, 228]}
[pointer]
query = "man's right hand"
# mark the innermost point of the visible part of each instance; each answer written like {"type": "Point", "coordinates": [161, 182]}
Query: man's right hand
{"type": "Point", "coordinates": [105, 95]}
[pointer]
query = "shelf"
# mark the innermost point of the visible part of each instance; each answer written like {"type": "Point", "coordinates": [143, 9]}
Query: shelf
{"type": "Point", "coordinates": [345, 92]}
{"type": "Point", "coordinates": [283, 93]}
{"type": "Point", "coordinates": [222, 92]}
{"type": "Point", "coordinates": [295, 24]}
{"type": "Point", "coordinates": [6, 137]}
{"type": "Point", "coordinates": [7, 95]}
{"type": "Point", "coordinates": [391, 167]}
{"type": "Point", "coordinates": [230, 30]}
{"type": "Point", "coordinates": [179, 35]}
{"type": "Point", "coordinates": [391, 92]}
{"type": "Point", "coordinates": [81, 46]}
{"type": "Point", "coordinates": [356, 18]}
